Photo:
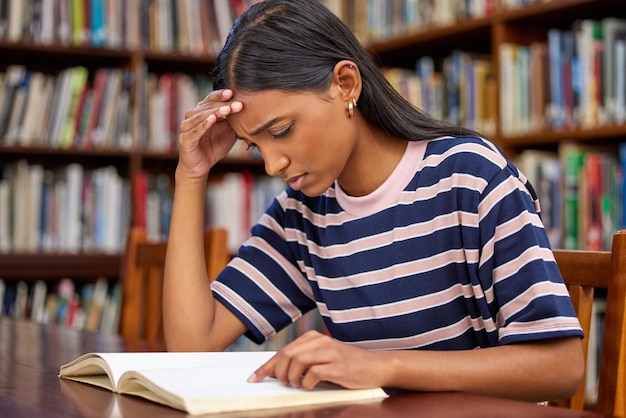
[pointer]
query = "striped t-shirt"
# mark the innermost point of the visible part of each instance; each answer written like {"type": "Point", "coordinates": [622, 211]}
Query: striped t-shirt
{"type": "Point", "coordinates": [449, 253]}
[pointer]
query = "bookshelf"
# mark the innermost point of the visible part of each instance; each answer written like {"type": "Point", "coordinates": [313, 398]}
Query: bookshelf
{"type": "Point", "coordinates": [134, 46]}
{"type": "Point", "coordinates": [148, 47]}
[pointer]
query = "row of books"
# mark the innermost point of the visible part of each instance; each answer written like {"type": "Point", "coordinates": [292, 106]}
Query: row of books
{"type": "Point", "coordinates": [79, 110]}
{"type": "Point", "coordinates": [200, 26]}
{"type": "Point", "coordinates": [460, 89]}
{"type": "Point", "coordinates": [576, 79]}
{"type": "Point", "coordinates": [235, 201]}
{"type": "Point", "coordinates": [581, 192]}
{"type": "Point", "coordinates": [514, 4]}
{"type": "Point", "coordinates": [69, 209]}
{"type": "Point", "coordinates": [194, 27]}
{"type": "Point", "coordinates": [164, 99]}
{"type": "Point", "coordinates": [92, 306]}
{"type": "Point", "coordinates": [377, 20]}
{"type": "Point", "coordinates": [68, 110]}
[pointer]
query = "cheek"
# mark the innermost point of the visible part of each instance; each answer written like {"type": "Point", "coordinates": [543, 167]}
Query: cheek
{"type": "Point", "coordinates": [325, 141]}
{"type": "Point", "coordinates": [328, 151]}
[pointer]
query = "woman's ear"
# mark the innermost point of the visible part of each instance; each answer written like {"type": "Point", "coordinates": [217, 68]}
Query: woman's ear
{"type": "Point", "coordinates": [347, 79]}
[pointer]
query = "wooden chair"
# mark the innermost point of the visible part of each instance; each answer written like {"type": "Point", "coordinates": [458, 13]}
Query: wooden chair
{"type": "Point", "coordinates": [142, 280]}
{"type": "Point", "coordinates": [584, 271]}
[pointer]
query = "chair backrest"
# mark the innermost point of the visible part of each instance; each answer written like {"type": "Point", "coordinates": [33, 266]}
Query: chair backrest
{"type": "Point", "coordinates": [142, 280]}
{"type": "Point", "coordinates": [583, 272]}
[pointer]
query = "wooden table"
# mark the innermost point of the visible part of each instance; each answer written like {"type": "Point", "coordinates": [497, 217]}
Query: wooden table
{"type": "Point", "coordinates": [31, 354]}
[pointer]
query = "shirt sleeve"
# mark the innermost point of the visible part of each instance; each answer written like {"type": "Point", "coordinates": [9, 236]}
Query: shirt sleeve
{"type": "Point", "coordinates": [524, 287]}
{"type": "Point", "coordinates": [263, 285]}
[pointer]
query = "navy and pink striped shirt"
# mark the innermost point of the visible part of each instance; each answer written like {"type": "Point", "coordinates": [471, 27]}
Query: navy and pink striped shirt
{"type": "Point", "coordinates": [448, 254]}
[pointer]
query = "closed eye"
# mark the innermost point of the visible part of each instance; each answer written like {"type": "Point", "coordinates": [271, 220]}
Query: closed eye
{"type": "Point", "coordinates": [283, 133]}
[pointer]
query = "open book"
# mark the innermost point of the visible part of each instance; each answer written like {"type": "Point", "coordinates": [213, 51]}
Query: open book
{"type": "Point", "coordinates": [202, 383]}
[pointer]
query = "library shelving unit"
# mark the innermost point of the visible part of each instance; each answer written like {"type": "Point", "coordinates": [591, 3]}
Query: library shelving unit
{"type": "Point", "coordinates": [560, 118]}
{"type": "Point", "coordinates": [51, 59]}
{"type": "Point", "coordinates": [483, 35]}
{"type": "Point", "coordinates": [531, 24]}
{"type": "Point", "coordinates": [523, 25]}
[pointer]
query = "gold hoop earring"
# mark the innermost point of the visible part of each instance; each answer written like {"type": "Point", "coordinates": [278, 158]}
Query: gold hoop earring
{"type": "Point", "coordinates": [351, 106]}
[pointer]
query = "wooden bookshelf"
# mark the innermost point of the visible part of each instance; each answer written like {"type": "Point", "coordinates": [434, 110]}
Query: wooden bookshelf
{"type": "Point", "coordinates": [481, 35]}
{"type": "Point", "coordinates": [613, 133]}
{"type": "Point", "coordinates": [53, 266]}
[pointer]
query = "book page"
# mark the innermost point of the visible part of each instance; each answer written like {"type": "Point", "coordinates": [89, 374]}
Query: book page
{"type": "Point", "coordinates": [224, 388]}
{"type": "Point", "coordinates": [92, 367]}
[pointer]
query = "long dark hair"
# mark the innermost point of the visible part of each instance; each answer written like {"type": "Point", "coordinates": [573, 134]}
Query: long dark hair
{"type": "Point", "coordinates": [294, 45]}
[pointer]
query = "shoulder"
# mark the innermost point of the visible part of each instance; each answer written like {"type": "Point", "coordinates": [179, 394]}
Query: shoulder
{"type": "Point", "coordinates": [466, 154]}
{"type": "Point", "coordinates": [468, 147]}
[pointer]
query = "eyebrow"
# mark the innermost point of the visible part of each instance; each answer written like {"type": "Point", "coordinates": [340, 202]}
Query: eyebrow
{"type": "Point", "coordinates": [260, 129]}
{"type": "Point", "coordinates": [263, 127]}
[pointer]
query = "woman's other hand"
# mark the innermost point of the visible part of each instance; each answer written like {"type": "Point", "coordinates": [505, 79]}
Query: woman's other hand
{"type": "Point", "coordinates": [205, 134]}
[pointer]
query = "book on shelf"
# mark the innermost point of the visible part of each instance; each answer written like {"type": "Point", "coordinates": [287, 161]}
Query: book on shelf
{"type": "Point", "coordinates": [224, 18]}
{"type": "Point", "coordinates": [203, 383]}
{"type": "Point", "coordinates": [592, 195]}
{"type": "Point", "coordinates": [460, 89]}
{"type": "Point", "coordinates": [66, 209]}
{"type": "Point", "coordinates": [12, 80]}
{"type": "Point", "coordinates": [614, 30]}
{"type": "Point", "coordinates": [542, 168]}
{"type": "Point", "coordinates": [76, 87]}
{"type": "Point", "coordinates": [581, 192]}
{"type": "Point", "coordinates": [94, 306]}
{"type": "Point", "coordinates": [5, 216]}
{"type": "Point", "coordinates": [254, 195]}
{"type": "Point", "coordinates": [619, 49]}
{"type": "Point", "coordinates": [596, 334]}
{"type": "Point", "coordinates": [34, 101]}
{"type": "Point", "coordinates": [3, 18]}
{"type": "Point", "coordinates": [576, 78]}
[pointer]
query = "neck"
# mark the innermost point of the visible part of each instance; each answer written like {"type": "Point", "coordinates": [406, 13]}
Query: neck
{"type": "Point", "coordinates": [375, 155]}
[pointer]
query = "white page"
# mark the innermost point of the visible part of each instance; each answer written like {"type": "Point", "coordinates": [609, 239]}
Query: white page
{"type": "Point", "coordinates": [224, 388]}
{"type": "Point", "coordinates": [122, 362]}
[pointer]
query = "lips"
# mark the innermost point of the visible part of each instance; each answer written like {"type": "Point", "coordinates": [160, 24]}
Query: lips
{"type": "Point", "coordinates": [296, 182]}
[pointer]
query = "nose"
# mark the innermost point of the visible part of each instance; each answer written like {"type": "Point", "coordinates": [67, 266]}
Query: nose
{"type": "Point", "coordinates": [275, 161]}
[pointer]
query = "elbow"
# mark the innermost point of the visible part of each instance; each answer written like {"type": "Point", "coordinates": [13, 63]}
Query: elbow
{"type": "Point", "coordinates": [577, 377]}
{"type": "Point", "coordinates": [572, 371]}
{"type": "Point", "coordinates": [572, 381]}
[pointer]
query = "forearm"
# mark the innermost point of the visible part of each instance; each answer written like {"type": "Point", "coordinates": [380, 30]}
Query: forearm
{"type": "Point", "coordinates": [188, 305]}
{"type": "Point", "coordinates": [532, 371]}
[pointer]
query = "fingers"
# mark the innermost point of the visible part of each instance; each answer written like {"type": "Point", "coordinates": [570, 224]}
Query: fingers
{"type": "Point", "coordinates": [299, 360]}
{"type": "Point", "coordinates": [218, 96]}
{"type": "Point", "coordinates": [214, 107]}
{"type": "Point", "coordinates": [266, 370]}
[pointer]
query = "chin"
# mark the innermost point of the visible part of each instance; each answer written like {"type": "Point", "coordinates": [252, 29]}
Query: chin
{"type": "Point", "coordinates": [314, 191]}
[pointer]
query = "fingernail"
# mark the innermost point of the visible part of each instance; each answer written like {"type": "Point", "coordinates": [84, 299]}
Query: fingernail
{"type": "Point", "coordinates": [253, 378]}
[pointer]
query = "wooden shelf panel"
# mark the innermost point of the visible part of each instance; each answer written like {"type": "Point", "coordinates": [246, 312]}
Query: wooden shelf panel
{"type": "Point", "coordinates": [74, 152]}
{"type": "Point", "coordinates": [56, 266]}
{"type": "Point", "coordinates": [471, 34]}
{"type": "Point", "coordinates": [482, 35]}
{"type": "Point", "coordinates": [106, 155]}
{"type": "Point", "coordinates": [560, 10]}
{"type": "Point", "coordinates": [605, 133]}
{"type": "Point", "coordinates": [56, 50]}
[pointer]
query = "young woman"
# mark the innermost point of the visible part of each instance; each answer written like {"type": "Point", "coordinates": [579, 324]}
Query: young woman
{"type": "Point", "coordinates": [419, 243]}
